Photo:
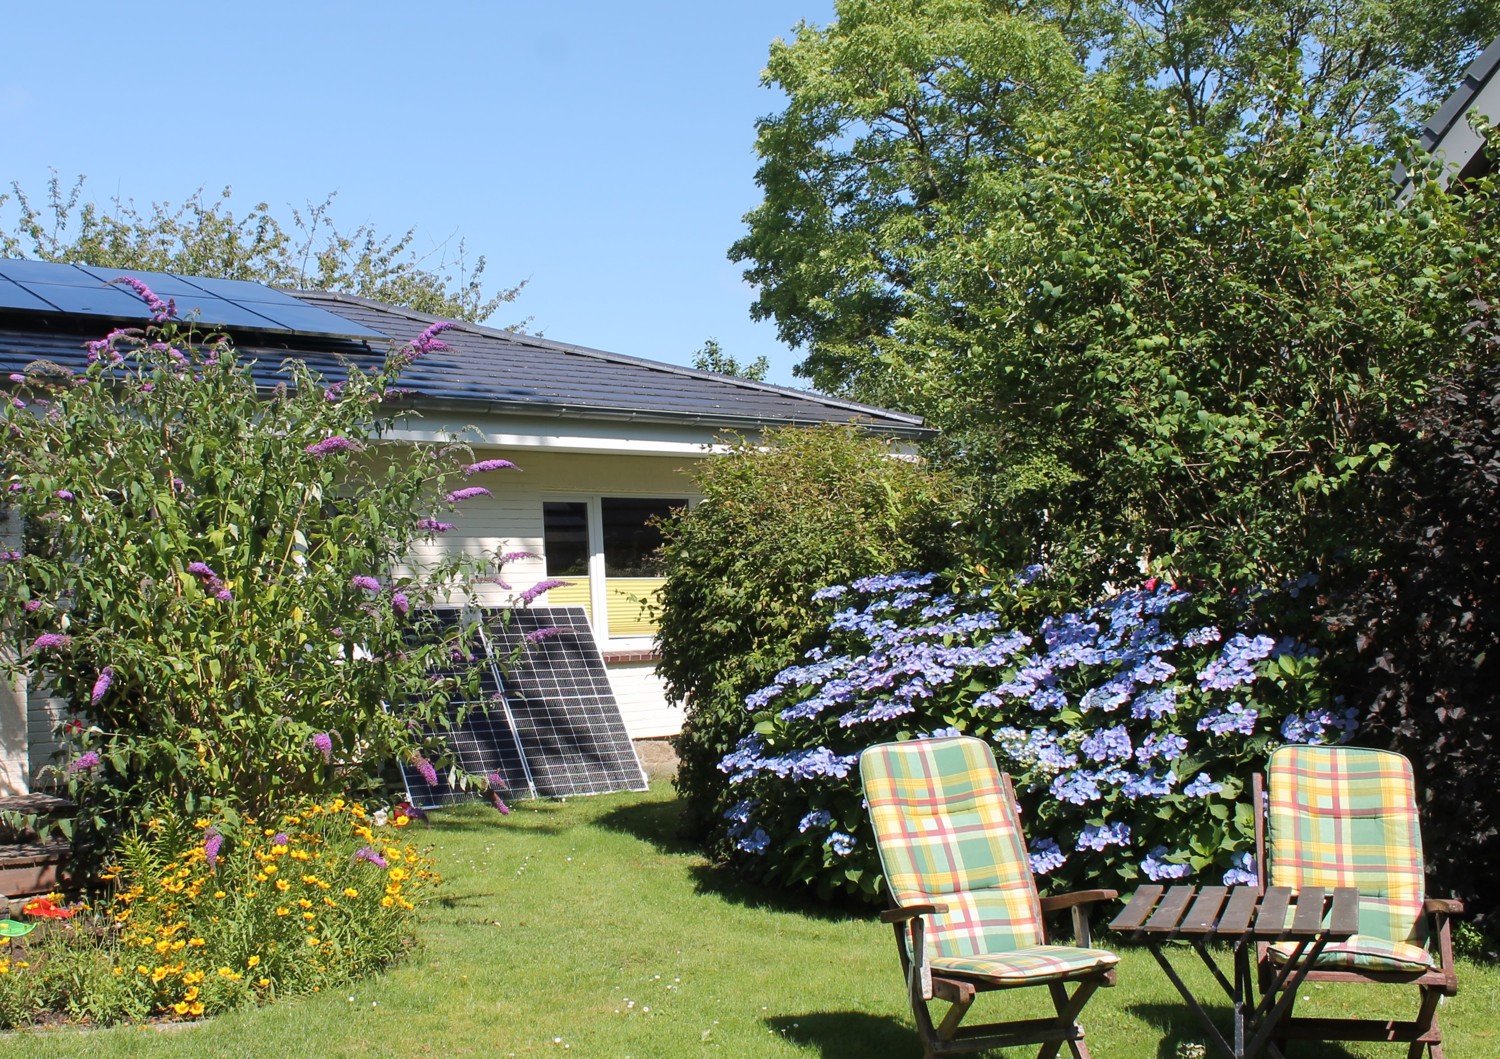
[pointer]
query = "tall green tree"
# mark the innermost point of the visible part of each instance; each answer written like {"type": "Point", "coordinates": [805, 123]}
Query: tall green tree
{"type": "Point", "coordinates": [203, 236]}
{"type": "Point", "coordinates": [1150, 291]}
{"type": "Point", "coordinates": [713, 358]}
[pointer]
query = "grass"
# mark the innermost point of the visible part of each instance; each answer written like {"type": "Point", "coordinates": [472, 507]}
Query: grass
{"type": "Point", "coordinates": [585, 929]}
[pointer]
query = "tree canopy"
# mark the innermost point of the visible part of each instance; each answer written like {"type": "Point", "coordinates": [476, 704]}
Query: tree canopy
{"type": "Point", "coordinates": [1140, 262]}
{"type": "Point", "coordinates": [203, 236]}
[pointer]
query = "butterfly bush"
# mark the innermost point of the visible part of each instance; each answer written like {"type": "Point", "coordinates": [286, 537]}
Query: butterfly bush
{"type": "Point", "coordinates": [220, 581]}
{"type": "Point", "coordinates": [1130, 727]}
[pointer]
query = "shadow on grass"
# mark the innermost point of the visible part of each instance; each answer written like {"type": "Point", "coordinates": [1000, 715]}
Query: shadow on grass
{"type": "Point", "coordinates": [1177, 1025]}
{"type": "Point", "coordinates": [657, 822]}
{"type": "Point", "coordinates": [846, 1034]}
{"type": "Point", "coordinates": [480, 818]}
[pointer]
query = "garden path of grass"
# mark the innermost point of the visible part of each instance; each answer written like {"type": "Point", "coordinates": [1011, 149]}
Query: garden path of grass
{"type": "Point", "coordinates": [585, 929]}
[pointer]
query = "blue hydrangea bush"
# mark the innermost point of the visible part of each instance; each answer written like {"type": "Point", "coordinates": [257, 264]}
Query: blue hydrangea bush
{"type": "Point", "coordinates": [1129, 726]}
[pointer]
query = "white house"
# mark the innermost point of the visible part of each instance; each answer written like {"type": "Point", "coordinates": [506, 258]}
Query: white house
{"type": "Point", "coordinates": [603, 442]}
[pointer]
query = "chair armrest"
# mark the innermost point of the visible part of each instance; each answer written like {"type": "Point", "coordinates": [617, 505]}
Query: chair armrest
{"type": "Point", "coordinates": [1079, 904]}
{"type": "Point", "coordinates": [1446, 906]}
{"type": "Point", "coordinates": [906, 912]}
{"type": "Point", "coordinates": [1059, 902]}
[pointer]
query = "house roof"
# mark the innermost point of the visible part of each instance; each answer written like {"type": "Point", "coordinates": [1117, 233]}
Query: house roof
{"type": "Point", "coordinates": [484, 370]}
{"type": "Point", "coordinates": [1448, 134]}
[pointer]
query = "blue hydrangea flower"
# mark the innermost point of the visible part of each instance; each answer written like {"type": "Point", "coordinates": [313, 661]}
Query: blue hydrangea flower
{"type": "Point", "coordinates": [1098, 837]}
{"type": "Point", "coordinates": [1236, 717]}
{"type": "Point", "coordinates": [1242, 872]}
{"type": "Point", "coordinates": [1046, 855]}
{"type": "Point", "coordinates": [816, 818]}
{"type": "Point", "coordinates": [1202, 786]}
{"type": "Point", "coordinates": [756, 842]}
{"type": "Point", "coordinates": [1156, 867]}
{"type": "Point", "coordinates": [841, 844]}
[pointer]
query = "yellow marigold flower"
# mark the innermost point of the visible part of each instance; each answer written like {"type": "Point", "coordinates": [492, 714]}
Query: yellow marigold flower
{"type": "Point", "coordinates": [230, 973]}
{"type": "Point", "coordinates": [393, 889]}
{"type": "Point", "coordinates": [309, 915]}
{"type": "Point", "coordinates": [262, 982]}
{"type": "Point", "coordinates": [283, 885]}
{"type": "Point", "coordinates": [220, 894]}
{"type": "Point", "coordinates": [117, 971]}
{"type": "Point", "coordinates": [261, 876]}
{"type": "Point", "coordinates": [23, 964]}
{"type": "Point", "coordinates": [163, 946]}
{"type": "Point", "coordinates": [330, 902]}
{"type": "Point", "coordinates": [387, 902]}
{"type": "Point", "coordinates": [303, 902]}
{"type": "Point", "coordinates": [283, 911]}
{"type": "Point", "coordinates": [178, 945]}
{"type": "Point", "coordinates": [160, 973]}
{"type": "Point", "coordinates": [253, 961]}
{"type": "Point", "coordinates": [392, 853]}
{"type": "Point", "coordinates": [196, 1009]}
{"type": "Point", "coordinates": [397, 874]}
{"type": "Point", "coordinates": [191, 994]}
{"type": "Point", "coordinates": [4, 967]}
{"type": "Point", "coordinates": [300, 854]}
{"type": "Point", "coordinates": [269, 869]}
{"type": "Point", "coordinates": [404, 903]}
{"type": "Point", "coordinates": [181, 1007]}
{"type": "Point", "coordinates": [141, 968]}
{"type": "Point", "coordinates": [269, 832]}
{"type": "Point", "coordinates": [201, 823]}
{"type": "Point", "coordinates": [350, 891]}
{"type": "Point", "coordinates": [250, 893]}
{"type": "Point", "coordinates": [312, 941]}
{"type": "Point", "coordinates": [196, 942]}
{"type": "Point", "coordinates": [192, 978]}
{"type": "Point", "coordinates": [365, 833]}
{"type": "Point", "coordinates": [401, 820]}
{"type": "Point", "coordinates": [338, 803]}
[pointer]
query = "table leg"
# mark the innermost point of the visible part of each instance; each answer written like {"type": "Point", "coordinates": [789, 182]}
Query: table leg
{"type": "Point", "coordinates": [1214, 1035]}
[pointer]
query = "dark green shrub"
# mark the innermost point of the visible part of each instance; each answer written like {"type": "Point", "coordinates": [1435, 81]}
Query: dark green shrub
{"type": "Point", "coordinates": [804, 509]}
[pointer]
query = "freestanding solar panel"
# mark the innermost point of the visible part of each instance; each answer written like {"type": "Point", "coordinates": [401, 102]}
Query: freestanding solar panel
{"type": "Point", "coordinates": [547, 719]}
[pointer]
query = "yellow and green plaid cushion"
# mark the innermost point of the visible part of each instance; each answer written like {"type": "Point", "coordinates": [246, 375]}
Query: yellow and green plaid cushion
{"type": "Point", "coordinates": [947, 834]}
{"type": "Point", "coordinates": [1363, 954]}
{"type": "Point", "coordinates": [1039, 963]}
{"type": "Point", "coordinates": [1344, 816]}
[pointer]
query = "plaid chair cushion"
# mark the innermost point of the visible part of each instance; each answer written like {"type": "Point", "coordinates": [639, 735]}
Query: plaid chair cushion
{"type": "Point", "coordinates": [1343, 816]}
{"type": "Point", "coordinates": [1362, 953]}
{"type": "Point", "coordinates": [947, 834]}
{"type": "Point", "coordinates": [1034, 965]}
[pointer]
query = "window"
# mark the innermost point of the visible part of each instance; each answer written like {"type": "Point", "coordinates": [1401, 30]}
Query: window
{"type": "Point", "coordinates": [606, 546]}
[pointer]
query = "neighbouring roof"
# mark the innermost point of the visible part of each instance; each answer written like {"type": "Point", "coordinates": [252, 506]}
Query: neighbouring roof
{"type": "Point", "coordinates": [1448, 134]}
{"type": "Point", "coordinates": [484, 370]}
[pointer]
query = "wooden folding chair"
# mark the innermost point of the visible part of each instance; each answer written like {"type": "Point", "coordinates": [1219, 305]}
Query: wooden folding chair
{"type": "Point", "coordinates": [964, 906]}
{"type": "Point", "coordinates": [1343, 816]}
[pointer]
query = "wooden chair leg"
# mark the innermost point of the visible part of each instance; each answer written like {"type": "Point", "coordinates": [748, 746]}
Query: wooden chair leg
{"type": "Point", "coordinates": [1068, 1008]}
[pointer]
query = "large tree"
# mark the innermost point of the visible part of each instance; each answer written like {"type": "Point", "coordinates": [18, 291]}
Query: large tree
{"type": "Point", "coordinates": [203, 236]}
{"type": "Point", "coordinates": [1141, 262]}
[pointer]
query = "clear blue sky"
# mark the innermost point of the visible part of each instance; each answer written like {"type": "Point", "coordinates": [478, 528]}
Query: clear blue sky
{"type": "Point", "coordinates": [602, 150]}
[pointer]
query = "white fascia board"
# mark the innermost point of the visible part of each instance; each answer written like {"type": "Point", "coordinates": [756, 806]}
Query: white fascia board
{"type": "Point", "coordinates": [563, 434]}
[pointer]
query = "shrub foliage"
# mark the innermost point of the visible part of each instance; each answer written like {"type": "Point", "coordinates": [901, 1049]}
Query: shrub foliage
{"type": "Point", "coordinates": [804, 508]}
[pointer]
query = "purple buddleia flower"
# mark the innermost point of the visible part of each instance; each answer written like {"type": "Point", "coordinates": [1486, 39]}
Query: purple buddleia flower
{"type": "Point", "coordinates": [10, 557]}
{"type": "Point", "coordinates": [212, 843]}
{"type": "Point", "coordinates": [101, 685]}
{"type": "Point", "coordinates": [161, 311]}
{"type": "Point", "coordinates": [31, 606]}
{"type": "Point", "coordinates": [368, 853]}
{"type": "Point", "coordinates": [400, 604]}
{"type": "Point", "coordinates": [432, 525]}
{"type": "Point", "coordinates": [52, 641]}
{"type": "Point", "coordinates": [84, 762]}
{"type": "Point", "coordinates": [496, 782]}
{"type": "Point", "coordinates": [366, 582]}
{"type": "Point", "coordinates": [337, 443]}
{"type": "Point", "coordinates": [17, 377]}
{"type": "Point", "coordinates": [427, 341]}
{"type": "Point", "coordinates": [489, 465]}
{"type": "Point", "coordinates": [202, 570]}
{"type": "Point", "coordinates": [499, 803]}
{"type": "Point", "coordinates": [515, 557]}
{"type": "Point", "coordinates": [424, 767]}
{"type": "Point", "coordinates": [323, 743]}
{"type": "Point", "coordinates": [540, 588]}
{"type": "Point", "coordinates": [224, 595]}
{"type": "Point", "coordinates": [538, 635]}
{"type": "Point", "coordinates": [65, 494]}
{"type": "Point", "coordinates": [458, 496]}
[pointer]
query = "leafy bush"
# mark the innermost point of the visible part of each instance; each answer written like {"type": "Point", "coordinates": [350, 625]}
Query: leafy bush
{"type": "Point", "coordinates": [805, 507]}
{"type": "Point", "coordinates": [1417, 628]}
{"type": "Point", "coordinates": [206, 919]}
{"type": "Point", "coordinates": [211, 573]}
{"type": "Point", "coordinates": [1130, 728]}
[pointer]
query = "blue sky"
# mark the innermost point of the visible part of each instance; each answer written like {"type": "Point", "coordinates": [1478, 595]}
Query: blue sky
{"type": "Point", "coordinates": [603, 151]}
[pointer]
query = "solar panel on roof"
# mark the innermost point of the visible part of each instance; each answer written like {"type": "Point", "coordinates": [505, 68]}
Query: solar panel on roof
{"type": "Point", "coordinates": [549, 723]}
{"type": "Point", "coordinates": [87, 290]}
{"type": "Point", "coordinates": [15, 296]}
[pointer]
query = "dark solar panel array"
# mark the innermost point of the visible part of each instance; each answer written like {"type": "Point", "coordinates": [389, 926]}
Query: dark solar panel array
{"type": "Point", "coordinates": [545, 717]}
{"type": "Point", "coordinates": [83, 290]}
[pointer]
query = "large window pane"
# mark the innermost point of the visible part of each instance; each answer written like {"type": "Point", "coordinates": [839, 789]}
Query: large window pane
{"type": "Point", "coordinates": [630, 539]}
{"type": "Point", "coordinates": [565, 538]}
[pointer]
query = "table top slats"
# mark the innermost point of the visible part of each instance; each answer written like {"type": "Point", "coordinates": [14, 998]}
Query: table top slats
{"type": "Point", "coordinates": [1343, 920]}
{"type": "Point", "coordinates": [1236, 917]}
{"type": "Point", "coordinates": [1309, 916]}
{"type": "Point", "coordinates": [1204, 912]}
{"type": "Point", "coordinates": [1270, 921]}
{"type": "Point", "coordinates": [1134, 913]}
{"type": "Point", "coordinates": [1169, 913]}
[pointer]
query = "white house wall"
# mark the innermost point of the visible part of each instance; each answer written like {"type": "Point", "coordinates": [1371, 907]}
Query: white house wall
{"type": "Point", "coordinates": [510, 520]}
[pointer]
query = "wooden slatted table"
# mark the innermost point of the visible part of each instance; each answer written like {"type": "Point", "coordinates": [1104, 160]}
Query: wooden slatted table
{"type": "Point", "coordinates": [1240, 916]}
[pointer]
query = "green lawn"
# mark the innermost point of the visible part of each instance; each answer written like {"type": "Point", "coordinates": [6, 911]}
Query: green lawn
{"type": "Point", "coordinates": [585, 929]}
